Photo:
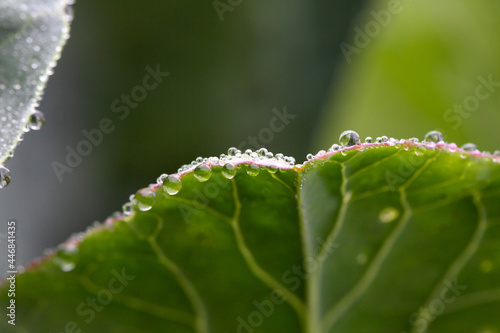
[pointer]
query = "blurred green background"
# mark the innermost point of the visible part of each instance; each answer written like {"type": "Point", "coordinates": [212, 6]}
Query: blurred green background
{"type": "Point", "coordinates": [395, 68]}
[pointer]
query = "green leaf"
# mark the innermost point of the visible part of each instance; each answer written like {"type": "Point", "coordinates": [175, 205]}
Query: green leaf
{"type": "Point", "coordinates": [32, 34]}
{"type": "Point", "coordinates": [371, 238]}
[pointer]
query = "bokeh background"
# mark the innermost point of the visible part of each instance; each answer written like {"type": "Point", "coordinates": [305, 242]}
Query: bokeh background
{"type": "Point", "coordinates": [395, 68]}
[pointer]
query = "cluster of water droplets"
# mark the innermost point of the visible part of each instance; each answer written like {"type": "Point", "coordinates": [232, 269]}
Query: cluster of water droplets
{"type": "Point", "coordinates": [35, 36]}
{"type": "Point", "coordinates": [350, 140]}
{"type": "Point", "coordinates": [35, 122]}
{"type": "Point", "coordinates": [252, 161]}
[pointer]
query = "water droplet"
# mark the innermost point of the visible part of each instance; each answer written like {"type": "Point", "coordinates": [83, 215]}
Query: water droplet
{"type": "Point", "coordinates": [408, 145]}
{"type": "Point", "coordinates": [36, 121]}
{"type": "Point", "coordinates": [269, 155]}
{"type": "Point", "coordinates": [420, 150]}
{"type": "Point", "coordinates": [145, 199]}
{"type": "Point", "coordinates": [253, 170]}
{"type": "Point", "coordinates": [127, 209]}
{"type": "Point", "coordinates": [228, 171]}
{"type": "Point", "coordinates": [272, 169]}
{"type": "Point", "coordinates": [413, 140]}
{"type": "Point", "coordinates": [4, 176]}
{"type": "Point", "coordinates": [469, 147]}
{"type": "Point", "coordinates": [378, 140]}
{"type": "Point", "coordinates": [384, 138]}
{"type": "Point", "coordinates": [202, 172]}
{"type": "Point", "coordinates": [388, 214]}
{"type": "Point", "coordinates": [434, 136]}
{"type": "Point", "coordinates": [232, 151]}
{"type": "Point", "coordinates": [496, 153]}
{"type": "Point", "coordinates": [199, 159]}
{"type": "Point", "coordinates": [335, 147]}
{"type": "Point", "coordinates": [349, 138]}
{"type": "Point", "coordinates": [64, 265]}
{"type": "Point", "coordinates": [309, 157]}
{"type": "Point", "coordinates": [262, 152]}
{"type": "Point", "coordinates": [172, 185]}
{"type": "Point", "coordinates": [368, 139]}
{"type": "Point", "coordinates": [160, 179]}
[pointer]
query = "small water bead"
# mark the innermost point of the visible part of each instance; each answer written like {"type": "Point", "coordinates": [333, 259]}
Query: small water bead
{"type": "Point", "coordinates": [127, 209]}
{"type": "Point", "coordinates": [368, 139]}
{"type": "Point", "coordinates": [248, 151]}
{"type": "Point", "coordinates": [202, 172]}
{"type": "Point", "coordinates": [388, 214]}
{"type": "Point", "coordinates": [469, 147]}
{"type": "Point", "coordinates": [254, 155]}
{"type": "Point", "coordinates": [394, 142]}
{"type": "Point", "coordinates": [262, 152]}
{"type": "Point", "coordinates": [36, 121]}
{"type": "Point", "coordinates": [415, 140]}
{"type": "Point", "coordinates": [321, 152]}
{"type": "Point", "coordinates": [161, 178]}
{"type": "Point", "coordinates": [408, 145]}
{"type": "Point", "coordinates": [199, 159]}
{"type": "Point", "coordinates": [496, 153]}
{"type": "Point", "coordinates": [214, 160]}
{"type": "Point", "coordinates": [335, 147]}
{"type": "Point", "coordinates": [228, 171]}
{"type": "Point", "coordinates": [232, 151]}
{"type": "Point", "coordinates": [384, 138]}
{"type": "Point", "coordinates": [434, 136]}
{"type": "Point", "coordinates": [4, 176]}
{"type": "Point", "coordinates": [420, 150]}
{"type": "Point", "coordinates": [253, 170]}
{"type": "Point", "coordinates": [378, 140]}
{"type": "Point", "coordinates": [349, 138]}
{"type": "Point", "coordinates": [280, 156]}
{"type": "Point", "coordinates": [172, 185]}
{"type": "Point", "coordinates": [269, 155]}
{"type": "Point", "coordinates": [272, 169]}
{"type": "Point", "coordinates": [145, 199]}
{"type": "Point", "coordinates": [309, 157]}
{"type": "Point", "coordinates": [64, 265]}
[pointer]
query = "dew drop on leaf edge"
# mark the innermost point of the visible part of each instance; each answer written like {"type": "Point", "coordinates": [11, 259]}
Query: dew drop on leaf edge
{"type": "Point", "coordinates": [145, 199]}
{"type": "Point", "coordinates": [434, 136]}
{"type": "Point", "coordinates": [349, 138]}
{"type": "Point", "coordinates": [172, 185]}
{"type": "Point", "coordinates": [469, 147]}
{"type": "Point", "coordinates": [4, 176]}
{"type": "Point", "coordinates": [202, 172]}
{"type": "Point", "coordinates": [253, 170]}
{"type": "Point", "coordinates": [228, 171]}
{"type": "Point", "coordinates": [36, 121]}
